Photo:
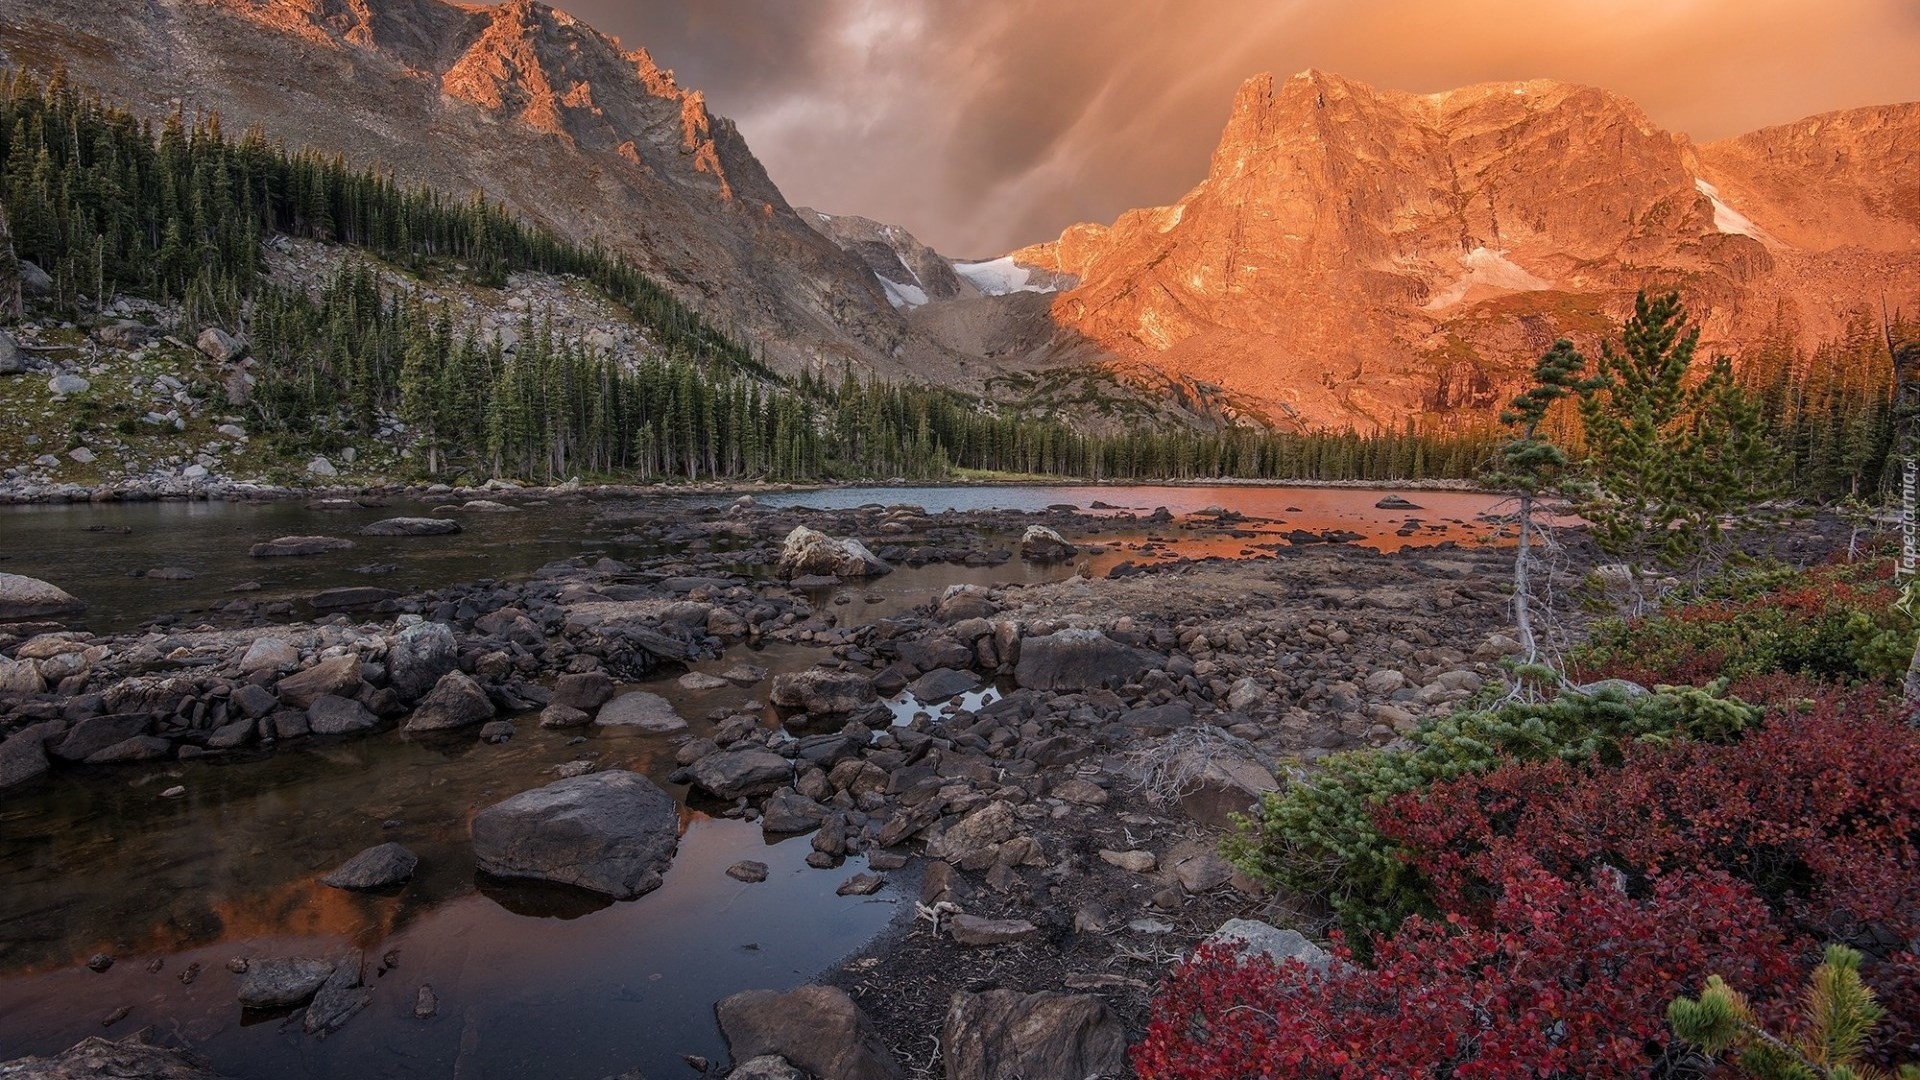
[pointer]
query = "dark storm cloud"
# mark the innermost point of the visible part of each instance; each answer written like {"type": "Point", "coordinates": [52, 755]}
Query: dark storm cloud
{"type": "Point", "coordinates": [985, 124]}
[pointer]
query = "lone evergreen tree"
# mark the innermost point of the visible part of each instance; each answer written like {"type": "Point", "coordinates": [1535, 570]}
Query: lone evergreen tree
{"type": "Point", "coordinates": [1530, 466]}
{"type": "Point", "coordinates": [1670, 457]}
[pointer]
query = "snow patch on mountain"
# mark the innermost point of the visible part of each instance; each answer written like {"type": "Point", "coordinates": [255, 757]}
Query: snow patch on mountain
{"type": "Point", "coordinates": [1731, 221]}
{"type": "Point", "coordinates": [902, 296]}
{"type": "Point", "coordinates": [999, 277]}
{"type": "Point", "coordinates": [1491, 269]}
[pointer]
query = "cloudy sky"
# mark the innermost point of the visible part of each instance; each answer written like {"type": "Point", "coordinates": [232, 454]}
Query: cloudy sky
{"type": "Point", "coordinates": [981, 125]}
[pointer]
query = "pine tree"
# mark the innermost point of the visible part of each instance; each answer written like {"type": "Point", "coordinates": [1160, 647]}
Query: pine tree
{"type": "Point", "coordinates": [1530, 466]}
{"type": "Point", "coordinates": [1669, 456]}
{"type": "Point", "coordinates": [1838, 1013]}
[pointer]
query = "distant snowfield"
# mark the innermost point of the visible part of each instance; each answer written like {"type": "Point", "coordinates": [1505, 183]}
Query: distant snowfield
{"type": "Point", "coordinates": [1727, 219]}
{"type": "Point", "coordinates": [902, 296]}
{"type": "Point", "coordinates": [1492, 269]}
{"type": "Point", "coordinates": [998, 277]}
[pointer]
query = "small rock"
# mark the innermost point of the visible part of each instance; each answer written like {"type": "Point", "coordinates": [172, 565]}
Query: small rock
{"type": "Point", "coordinates": [377, 867]}
{"type": "Point", "coordinates": [974, 931]}
{"type": "Point", "coordinates": [748, 871]}
{"type": "Point", "coordinates": [1138, 862]}
{"type": "Point", "coordinates": [861, 885]}
{"type": "Point", "coordinates": [285, 981]}
{"type": "Point", "coordinates": [425, 1003]}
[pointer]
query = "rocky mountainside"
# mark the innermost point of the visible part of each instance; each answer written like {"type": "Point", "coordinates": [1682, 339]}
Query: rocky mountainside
{"type": "Point", "coordinates": [518, 101]}
{"type": "Point", "coordinates": [1355, 256]}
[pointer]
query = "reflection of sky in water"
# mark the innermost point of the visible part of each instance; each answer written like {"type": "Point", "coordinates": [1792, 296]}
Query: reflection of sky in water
{"type": "Point", "coordinates": [905, 706]}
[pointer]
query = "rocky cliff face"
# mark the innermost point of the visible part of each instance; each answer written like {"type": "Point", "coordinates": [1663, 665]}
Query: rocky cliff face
{"type": "Point", "coordinates": [1355, 256]}
{"type": "Point", "coordinates": [518, 101]}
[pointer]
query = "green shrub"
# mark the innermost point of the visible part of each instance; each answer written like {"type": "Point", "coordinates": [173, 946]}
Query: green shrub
{"type": "Point", "coordinates": [1317, 838]}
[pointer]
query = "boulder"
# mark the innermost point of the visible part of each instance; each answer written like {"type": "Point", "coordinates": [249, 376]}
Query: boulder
{"type": "Point", "coordinates": [339, 998]}
{"type": "Point", "coordinates": [1395, 502]}
{"type": "Point", "coordinates": [1220, 781]}
{"type": "Point", "coordinates": [456, 701]}
{"type": "Point", "coordinates": [283, 981]}
{"type": "Point", "coordinates": [975, 835]}
{"type": "Point", "coordinates": [35, 281]}
{"type": "Point", "coordinates": [810, 552]}
{"type": "Point", "coordinates": [1043, 545]}
{"type": "Point", "coordinates": [585, 690]}
{"type": "Point", "coordinates": [96, 733]}
{"type": "Point", "coordinates": [412, 526]}
{"type": "Point", "coordinates": [942, 683]}
{"type": "Point", "coordinates": [377, 867]}
{"type": "Point", "coordinates": [339, 676]}
{"type": "Point", "coordinates": [420, 656]}
{"type": "Point", "coordinates": [823, 691]}
{"type": "Point", "coordinates": [1252, 936]}
{"type": "Point", "coordinates": [30, 598]}
{"type": "Point", "coordinates": [269, 654]}
{"type": "Point", "coordinates": [95, 1058]}
{"type": "Point", "coordinates": [68, 384]}
{"type": "Point", "coordinates": [1079, 660]}
{"type": "Point", "coordinates": [610, 832]}
{"type": "Point", "coordinates": [20, 677]}
{"type": "Point", "coordinates": [23, 755]}
{"type": "Point", "coordinates": [1007, 1035]}
{"type": "Point", "coordinates": [218, 345]}
{"type": "Point", "coordinates": [639, 710]}
{"type": "Point", "coordinates": [732, 774]}
{"type": "Point", "coordinates": [331, 714]}
{"type": "Point", "coordinates": [296, 546]}
{"type": "Point", "coordinates": [817, 1028]}
{"type": "Point", "coordinates": [12, 362]}
{"type": "Point", "coordinates": [789, 813]}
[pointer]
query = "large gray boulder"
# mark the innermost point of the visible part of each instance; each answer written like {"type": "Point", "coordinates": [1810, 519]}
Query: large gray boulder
{"type": "Point", "coordinates": [817, 1028]}
{"type": "Point", "coordinates": [456, 701]}
{"type": "Point", "coordinates": [1043, 545]}
{"type": "Point", "coordinates": [734, 773]}
{"type": "Point", "coordinates": [823, 690]}
{"type": "Point", "coordinates": [96, 733]}
{"type": "Point", "coordinates": [218, 345]}
{"type": "Point", "coordinates": [23, 597]}
{"type": "Point", "coordinates": [608, 832]}
{"type": "Point", "coordinates": [1079, 660]}
{"type": "Point", "coordinates": [1007, 1035]}
{"type": "Point", "coordinates": [419, 657]}
{"type": "Point", "coordinates": [11, 360]}
{"type": "Point", "coordinates": [640, 710]}
{"type": "Point", "coordinates": [811, 552]}
{"type": "Point", "coordinates": [412, 526]}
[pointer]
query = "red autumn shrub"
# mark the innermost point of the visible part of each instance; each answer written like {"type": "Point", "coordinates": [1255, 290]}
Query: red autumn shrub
{"type": "Point", "coordinates": [1561, 979]}
{"type": "Point", "coordinates": [1818, 812]}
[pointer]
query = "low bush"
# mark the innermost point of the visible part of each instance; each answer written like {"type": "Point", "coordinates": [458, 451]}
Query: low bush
{"type": "Point", "coordinates": [1320, 838]}
{"type": "Point", "coordinates": [1836, 623]}
{"type": "Point", "coordinates": [1563, 979]}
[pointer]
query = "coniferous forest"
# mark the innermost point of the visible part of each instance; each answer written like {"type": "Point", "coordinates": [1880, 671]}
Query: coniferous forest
{"type": "Point", "coordinates": [108, 203]}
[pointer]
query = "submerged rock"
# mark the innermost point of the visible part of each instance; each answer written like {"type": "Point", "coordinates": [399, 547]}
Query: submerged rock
{"type": "Point", "coordinates": [377, 867]}
{"type": "Point", "coordinates": [412, 526]}
{"type": "Point", "coordinates": [282, 981]}
{"type": "Point", "coordinates": [610, 832]}
{"type": "Point", "coordinates": [295, 546]}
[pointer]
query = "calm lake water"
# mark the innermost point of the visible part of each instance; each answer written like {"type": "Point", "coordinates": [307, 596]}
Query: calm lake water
{"type": "Point", "coordinates": [529, 982]}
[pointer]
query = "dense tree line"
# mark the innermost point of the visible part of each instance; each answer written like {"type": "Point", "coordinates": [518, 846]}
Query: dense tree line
{"type": "Point", "coordinates": [1831, 408]}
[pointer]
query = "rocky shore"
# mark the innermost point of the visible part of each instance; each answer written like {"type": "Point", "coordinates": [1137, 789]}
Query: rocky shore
{"type": "Point", "coordinates": [1059, 836]}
